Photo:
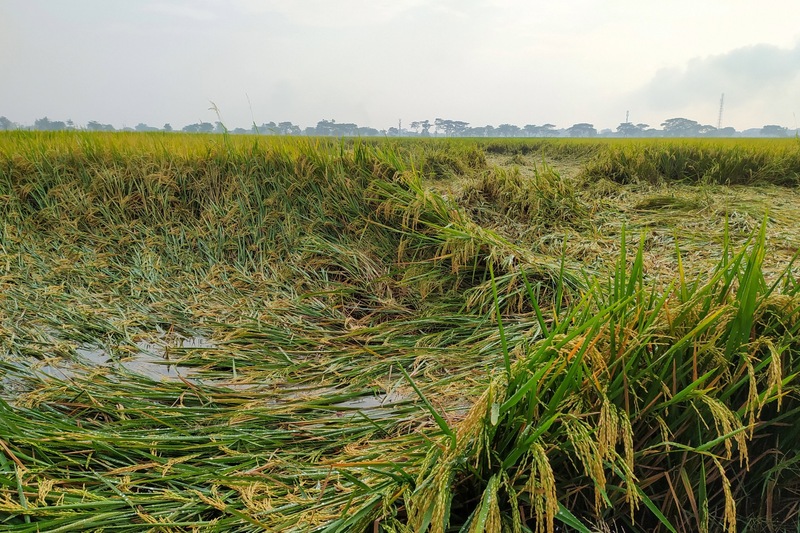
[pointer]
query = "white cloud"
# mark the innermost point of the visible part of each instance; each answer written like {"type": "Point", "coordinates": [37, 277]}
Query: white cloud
{"type": "Point", "coordinates": [764, 79]}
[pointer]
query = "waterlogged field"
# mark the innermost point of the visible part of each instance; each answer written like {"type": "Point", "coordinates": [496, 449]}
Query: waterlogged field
{"type": "Point", "coordinates": [247, 334]}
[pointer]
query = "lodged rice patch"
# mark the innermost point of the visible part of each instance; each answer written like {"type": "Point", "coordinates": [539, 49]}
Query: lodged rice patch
{"type": "Point", "coordinates": [247, 334]}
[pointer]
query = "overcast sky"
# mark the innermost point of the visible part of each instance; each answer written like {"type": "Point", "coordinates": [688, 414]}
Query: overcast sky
{"type": "Point", "coordinates": [373, 62]}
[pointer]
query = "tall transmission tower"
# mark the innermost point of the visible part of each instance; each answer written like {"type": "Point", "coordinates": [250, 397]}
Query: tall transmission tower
{"type": "Point", "coordinates": [721, 105]}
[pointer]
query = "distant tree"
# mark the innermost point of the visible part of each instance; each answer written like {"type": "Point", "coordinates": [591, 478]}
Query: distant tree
{"type": "Point", "coordinates": [219, 127]}
{"type": "Point", "coordinates": [508, 130]}
{"type": "Point", "coordinates": [423, 127]}
{"type": "Point", "coordinates": [682, 127]}
{"type": "Point", "coordinates": [167, 127]}
{"type": "Point", "coordinates": [426, 128]}
{"type": "Point", "coordinates": [772, 130]}
{"type": "Point", "coordinates": [629, 129]}
{"type": "Point", "coordinates": [451, 128]}
{"type": "Point", "coordinates": [334, 129]}
{"type": "Point", "coordinates": [266, 128]}
{"type": "Point", "coordinates": [45, 124]}
{"type": "Point", "coordinates": [240, 131]}
{"type": "Point", "coordinates": [711, 131]}
{"type": "Point", "coordinates": [325, 127]}
{"type": "Point", "coordinates": [144, 127]}
{"type": "Point", "coordinates": [582, 129]}
{"type": "Point", "coordinates": [707, 130]}
{"type": "Point", "coordinates": [348, 129]}
{"type": "Point", "coordinates": [545, 130]}
{"type": "Point", "coordinates": [480, 131]}
{"type": "Point", "coordinates": [287, 128]}
{"type": "Point", "coordinates": [42, 124]}
{"type": "Point", "coordinates": [6, 124]}
{"type": "Point", "coordinates": [367, 132]}
{"type": "Point", "coordinates": [199, 127]}
{"type": "Point", "coordinates": [93, 125]}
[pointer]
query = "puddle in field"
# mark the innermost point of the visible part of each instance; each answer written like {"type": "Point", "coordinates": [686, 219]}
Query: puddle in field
{"type": "Point", "coordinates": [156, 360]}
{"type": "Point", "coordinates": [305, 391]}
{"type": "Point", "coordinates": [11, 388]}
{"type": "Point", "coordinates": [373, 402]}
{"type": "Point", "coordinates": [152, 360]}
{"type": "Point", "coordinates": [63, 370]}
{"type": "Point", "coordinates": [327, 397]}
{"type": "Point", "coordinates": [375, 406]}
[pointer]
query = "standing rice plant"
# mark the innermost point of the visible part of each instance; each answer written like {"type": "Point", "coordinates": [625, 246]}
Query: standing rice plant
{"type": "Point", "coordinates": [636, 403]}
{"type": "Point", "coordinates": [698, 161]}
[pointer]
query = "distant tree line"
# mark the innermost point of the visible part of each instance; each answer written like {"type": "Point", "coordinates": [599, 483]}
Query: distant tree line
{"type": "Point", "coordinates": [673, 127]}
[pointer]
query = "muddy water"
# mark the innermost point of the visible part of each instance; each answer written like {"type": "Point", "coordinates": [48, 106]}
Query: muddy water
{"type": "Point", "coordinates": [155, 360]}
{"type": "Point", "coordinates": [376, 406]}
{"type": "Point", "coordinates": [150, 360]}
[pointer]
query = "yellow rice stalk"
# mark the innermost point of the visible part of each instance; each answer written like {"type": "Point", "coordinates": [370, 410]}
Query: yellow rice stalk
{"type": "Point", "coordinates": [541, 488]}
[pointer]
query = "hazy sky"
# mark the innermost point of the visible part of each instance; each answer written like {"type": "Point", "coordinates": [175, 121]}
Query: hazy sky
{"type": "Point", "coordinates": [376, 61]}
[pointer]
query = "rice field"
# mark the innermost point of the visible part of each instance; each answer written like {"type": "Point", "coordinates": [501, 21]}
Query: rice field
{"type": "Point", "coordinates": [217, 333]}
